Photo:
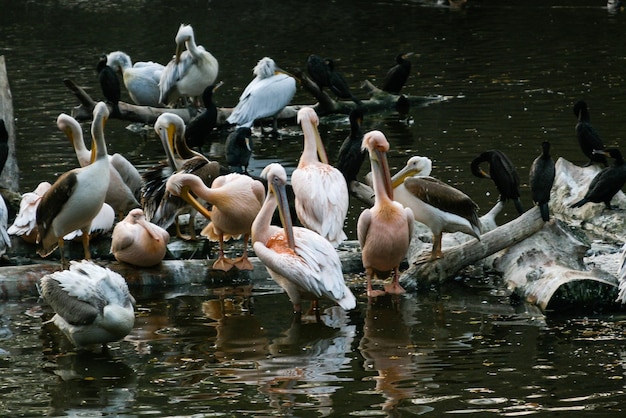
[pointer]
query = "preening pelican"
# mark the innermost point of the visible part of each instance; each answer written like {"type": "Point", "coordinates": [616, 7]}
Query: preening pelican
{"type": "Point", "coordinates": [235, 198]}
{"type": "Point", "coordinates": [25, 223]}
{"type": "Point", "coordinates": [439, 206]}
{"type": "Point", "coordinates": [502, 172]}
{"type": "Point", "coordinates": [109, 84]}
{"type": "Point", "coordinates": [301, 261]}
{"type": "Point", "coordinates": [398, 74]}
{"type": "Point", "coordinates": [125, 181]}
{"type": "Point", "coordinates": [271, 90]}
{"type": "Point", "coordinates": [141, 79]}
{"type": "Point", "coordinates": [138, 242]}
{"type": "Point", "coordinates": [321, 192]}
{"type": "Point", "coordinates": [588, 138]}
{"type": "Point", "coordinates": [190, 71]}
{"type": "Point", "coordinates": [607, 182]}
{"type": "Point", "coordinates": [92, 304]}
{"type": "Point", "coordinates": [198, 130]}
{"type": "Point", "coordinates": [158, 207]}
{"type": "Point", "coordinates": [384, 231]}
{"type": "Point", "coordinates": [239, 146]}
{"type": "Point", "coordinates": [77, 196]}
{"type": "Point", "coordinates": [351, 155]}
{"type": "Point", "coordinates": [541, 178]}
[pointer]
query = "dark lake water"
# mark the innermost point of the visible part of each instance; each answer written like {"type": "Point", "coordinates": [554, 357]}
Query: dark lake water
{"type": "Point", "coordinates": [511, 72]}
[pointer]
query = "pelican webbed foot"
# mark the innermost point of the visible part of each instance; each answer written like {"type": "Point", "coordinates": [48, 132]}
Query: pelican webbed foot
{"type": "Point", "coordinates": [242, 263]}
{"type": "Point", "coordinates": [223, 263]}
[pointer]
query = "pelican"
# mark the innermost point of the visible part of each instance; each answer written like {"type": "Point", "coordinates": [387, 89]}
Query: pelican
{"type": "Point", "coordinates": [271, 90]}
{"type": "Point", "coordinates": [190, 71]}
{"type": "Point", "coordinates": [301, 261]}
{"type": "Point", "coordinates": [138, 242]}
{"type": "Point", "coordinates": [125, 181]}
{"type": "Point", "coordinates": [109, 84]}
{"type": "Point", "coordinates": [100, 225]}
{"type": "Point", "coordinates": [502, 172]}
{"type": "Point", "coordinates": [351, 156]}
{"type": "Point", "coordinates": [141, 79]}
{"type": "Point", "coordinates": [439, 206]}
{"type": "Point", "coordinates": [607, 182]}
{"type": "Point", "coordinates": [92, 304]}
{"type": "Point", "coordinates": [239, 149]}
{"type": "Point", "coordinates": [541, 178]}
{"type": "Point", "coordinates": [25, 222]}
{"type": "Point", "coordinates": [588, 138]}
{"type": "Point", "coordinates": [320, 189]}
{"type": "Point", "coordinates": [236, 200]}
{"type": "Point", "coordinates": [398, 74]}
{"type": "Point", "coordinates": [158, 207]}
{"type": "Point", "coordinates": [77, 196]}
{"type": "Point", "coordinates": [384, 231]}
{"type": "Point", "coordinates": [198, 130]}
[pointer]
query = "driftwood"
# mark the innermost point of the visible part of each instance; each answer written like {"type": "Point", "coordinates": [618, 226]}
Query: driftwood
{"type": "Point", "coordinates": [10, 173]}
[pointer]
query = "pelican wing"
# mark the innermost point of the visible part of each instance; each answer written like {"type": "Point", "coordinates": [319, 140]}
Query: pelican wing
{"type": "Point", "coordinates": [69, 295]}
{"type": "Point", "coordinates": [54, 199]}
{"type": "Point", "coordinates": [442, 196]}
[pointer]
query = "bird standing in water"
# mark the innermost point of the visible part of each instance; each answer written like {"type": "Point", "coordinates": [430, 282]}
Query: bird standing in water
{"type": "Point", "coordinates": [239, 147]}
{"type": "Point", "coordinates": [588, 138]}
{"type": "Point", "coordinates": [384, 231]}
{"type": "Point", "coordinates": [301, 261]}
{"type": "Point", "coordinates": [607, 182]}
{"type": "Point", "coordinates": [541, 179]}
{"type": "Point", "coordinates": [398, 74]}
{"type": "Point", "coordinates": [502, 172]}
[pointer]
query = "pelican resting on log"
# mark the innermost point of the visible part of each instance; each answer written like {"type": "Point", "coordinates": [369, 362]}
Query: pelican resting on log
{"type": "Point", "coordinates": [92, 304]}
{"type": "Point", "coordinates": [189, 72]}
{"type": "Point", "coordinates": [77, 196]}
{"type": "Point", "coordinates": [140, 79]}
{"type": "Point", "coordinates": [301, 261]}
{"type": "Point", "coordinates": [138, 242]}
{"type": "Point", "coordinates": [384, 231]}
{"type": "Point", "coordinates": [439, 206]}
{"type": "Point", "coordinates": [321, 192]}
{"type": "Point", "coordinates": [236, 200]}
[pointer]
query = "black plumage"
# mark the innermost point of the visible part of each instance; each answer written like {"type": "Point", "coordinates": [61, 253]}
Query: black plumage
{"type": "Point", "coordinates": [398, 74]}
{"type": "Point", "coordinates": [109, 83]}
{"type": "Point", "coordinates": [502, 172]}
{"type": "Point", "coordinates": [541, 179]}
{"type": "Point", "coordinates": [588, 138]}
{"type": "Point", "coordinates": [198, 130]}
{"type": "Point", "coordinates": [318, 71]}
{"type": "Point", "coordinates": [4, 144]}
{"type": "Point", "coordinates": [351, 155]}
{"type": "Point", "coordinates": [338, 84]}
{"type": "Point", "coordinates": [239, 147]}
{"type": "Point", "coordinates": [607, 182]}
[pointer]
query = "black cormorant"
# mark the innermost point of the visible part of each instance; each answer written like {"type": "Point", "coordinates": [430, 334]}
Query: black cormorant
{"type": "Point", "coordinates": [338, 84]}
{"type": "Point", "coordinates": [398, 74]}
{"type": "Point", "coordinates": [588, 138]}
{"type": "Point", "coordinates": [109, 83]}
{"type": "Point", "coordinates": [239, 149]}
{"type": "Point", "coordinates": [502, 172]}
{"type": "Point", "coordinates": [198, 130]}
{"type": "Point", "coordinates": [351, 155]}
{"type": "Point", "coordinates": [607, 182]}
{"type": "Point", "coordinates": [541, 178]}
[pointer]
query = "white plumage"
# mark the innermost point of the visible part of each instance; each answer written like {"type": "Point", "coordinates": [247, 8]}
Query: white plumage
{"type": "Point", "coordinates": [140, 79]}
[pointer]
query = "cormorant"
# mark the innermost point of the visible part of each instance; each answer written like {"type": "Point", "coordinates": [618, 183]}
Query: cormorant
{"type": "Point", "coordinates": [198, 130]}
{"type": "Point", "coordinates": [541, 178]}
{"type": "Point", "coordinates": [588, 138]}
{"type": "Point", "coordinates": [503, 174]}
{"type": "Point", "coordinates": [109, 83]}
{"type": "Point", "coordinates": [239, 149]}
{"type": "Point", "coordinates": [607, 182]}
{"type": "Point", "coordinates": [398, 74]}
{"type": "Point", "coordinates": [351, 156]}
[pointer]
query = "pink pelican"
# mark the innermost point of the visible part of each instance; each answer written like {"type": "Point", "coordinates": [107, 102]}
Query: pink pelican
{"type": "Point", "coordinates": [138, 242]}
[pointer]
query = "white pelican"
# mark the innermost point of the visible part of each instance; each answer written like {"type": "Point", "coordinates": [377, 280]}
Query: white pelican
{"type": "Point", "coordinates": [301, 261]}
{"type": "Point", "coordinates": [124, 182]}
{"type": "Point", "coordinates": [502, 172]}
{"type": "Point", "coordinates": [384, 231]}
{"type": "Point", "coordinates": [271, 90]}
{"type": "Point", "coordinates": [541, 178]}
{"type": "Point", "coordinates": [141, 79]}
{"type": "Point", "coordinates": [236, 200]}
{"type": "Point", "coordinates": [25, 222]}
{"type": "Point", "coordinates": [190, 71]}
{"type": "Point", "coordinates": [439, 206]}
{"type": "Point", "coordinates": [138, 242]}
{"type": "Point", "coordinates": [321, 192]}
{"type": "Point", "coordinates": [100, 225]}
{"type": "Point", "coordinates": [158, 207]}
{"type": "Point", "coordinates": [92, 304]}
{"type": "Point", "coordinates": [77, 196]}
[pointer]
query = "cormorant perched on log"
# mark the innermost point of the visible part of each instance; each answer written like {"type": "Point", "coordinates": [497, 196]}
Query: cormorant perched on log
{"type": "Point", "coordinates": [607, 182]}
{"type": "Point", "coordinates": [588, 138]}
{"type": "Point", "coordinates": [109, 83]}
{"type": "Point", "coordinates": [318, 71]}
{"type": "Point", "coordinates": [398, 74]}
{"type": "Point", "coordinates": [541, 178]}
{"type": "Point", "coordinates": [502, 172]}
{"type": "Point", "coordinates": [198, 130]}
{"type": "Point", "coordinates": [338, 84]}
{"type": "Point", "coordinates": [239, 149]}
{"type": "Point", "coordinates": [351, 155]}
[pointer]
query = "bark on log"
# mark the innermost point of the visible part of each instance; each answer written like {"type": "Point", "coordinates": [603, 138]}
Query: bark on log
{"type": "Point", "coordinates": [10, 173]}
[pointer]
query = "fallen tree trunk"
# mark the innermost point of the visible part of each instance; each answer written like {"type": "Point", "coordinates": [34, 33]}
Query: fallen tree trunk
{"type": "Point", "coordinates": [10, 173]}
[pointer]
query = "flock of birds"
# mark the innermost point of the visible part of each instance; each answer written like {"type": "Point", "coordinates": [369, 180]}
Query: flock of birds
{"type": "Point", "coordinates": [93, 304]}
